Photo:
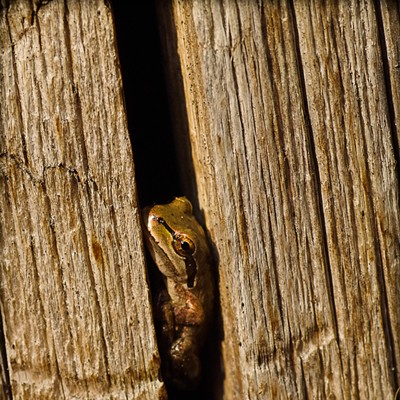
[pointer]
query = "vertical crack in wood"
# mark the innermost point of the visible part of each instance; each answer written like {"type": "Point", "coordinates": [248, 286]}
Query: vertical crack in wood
{"type": "Point", "coordinates": [5, 374]}
{"type": "Point", "coordinates": [388, 330]}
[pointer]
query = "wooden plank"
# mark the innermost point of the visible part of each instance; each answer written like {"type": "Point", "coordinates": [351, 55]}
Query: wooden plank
{"type": "Point", "coordinates": [75, 302]}
{"type": "Point", "coordinates": [346, 93]}
{"type": "Point", "coordinates": [295, 174]}
{"type": "Point", "coordinates": [390, 28]}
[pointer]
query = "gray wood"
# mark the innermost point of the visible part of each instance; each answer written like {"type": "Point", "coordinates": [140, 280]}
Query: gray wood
{"type": "Point", "coordinates": [74, 298]}
{"type": "Point", "coordinates": [292, 148]}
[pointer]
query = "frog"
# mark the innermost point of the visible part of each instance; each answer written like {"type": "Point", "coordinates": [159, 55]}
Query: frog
{"type": "Point", "coordinates": [183, 304]}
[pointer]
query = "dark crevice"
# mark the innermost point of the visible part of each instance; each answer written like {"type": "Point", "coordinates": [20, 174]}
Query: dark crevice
{"type": "Point", "coordinates": [5, 375]}
{"type": "Point", "coordinates": [148, 113]}
{"type": "Point", "coordinates": [151, 123]}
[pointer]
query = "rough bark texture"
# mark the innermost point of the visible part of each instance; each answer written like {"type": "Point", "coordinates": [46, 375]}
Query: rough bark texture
{"type": "Point", "coordinates": [74, 299]}
{"type": "Point", "coordinates": [293, 131]}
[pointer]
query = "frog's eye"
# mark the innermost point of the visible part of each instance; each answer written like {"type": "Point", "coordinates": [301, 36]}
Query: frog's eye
{"type": "Point", "coordinates": [183, 245]}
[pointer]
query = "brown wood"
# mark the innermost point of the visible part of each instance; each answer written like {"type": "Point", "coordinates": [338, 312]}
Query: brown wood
{"type": "Point", "coordinates": [287, 116]}
{"type": "Point", "coordinates": [390, 48]}
{"type": "Point", "coordinates": [74, 298]}
{"type": "Point", "coordinates": [294, 153]}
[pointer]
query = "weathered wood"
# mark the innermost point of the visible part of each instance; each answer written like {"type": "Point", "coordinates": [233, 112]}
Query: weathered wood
{"type": "Point", "coordinates": [292, 147]}
{"type": "Point", "coordinates": [391, 31]}
{"type": "Point", "coordinates": [359, 187]}
{"type": "Point", "coordinates": [74, 298]}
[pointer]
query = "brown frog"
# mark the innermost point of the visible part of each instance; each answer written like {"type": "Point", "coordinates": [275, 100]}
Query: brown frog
{"type": "Point", "coordinates": [183, 308]}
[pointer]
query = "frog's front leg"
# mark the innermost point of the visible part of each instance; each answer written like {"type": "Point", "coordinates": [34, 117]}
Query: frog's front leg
{"type": "Point", "coordinates": [178, 326]}
{"type": "Point", "coordinates": [165, 318]}
{"type": "Point", "coordinates": [185, 366]}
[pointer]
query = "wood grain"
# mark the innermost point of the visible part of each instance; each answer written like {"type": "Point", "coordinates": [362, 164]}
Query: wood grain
{"type": "Point", "coordinates": [294, 155]}
{"type": "Point", "coordinates": [357, 164]}
{"type": "Point", "coordinates": [390, 29]}
{"type": "Point", "coordinates": [74, 298]}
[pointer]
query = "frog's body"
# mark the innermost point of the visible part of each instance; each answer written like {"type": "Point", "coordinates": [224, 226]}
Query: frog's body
{"type": "Point", "coordinates": [180, 250]}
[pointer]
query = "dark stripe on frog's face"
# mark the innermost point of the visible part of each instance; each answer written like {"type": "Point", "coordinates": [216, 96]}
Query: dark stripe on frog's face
{"type": "Point", "coordinates": [190, 263]}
